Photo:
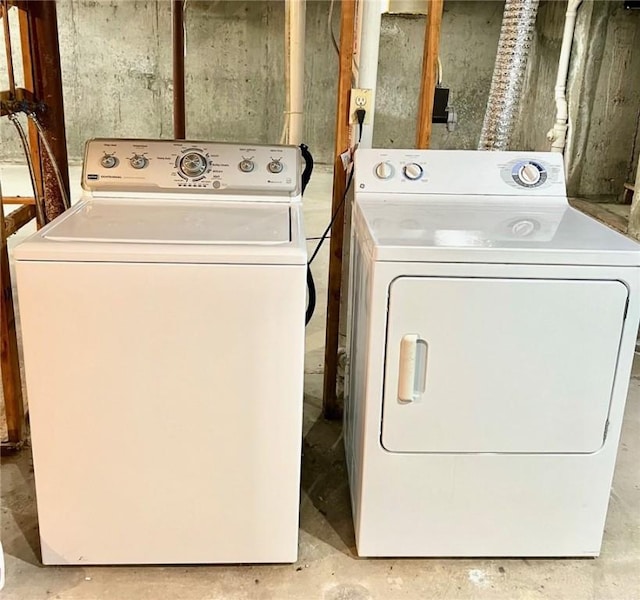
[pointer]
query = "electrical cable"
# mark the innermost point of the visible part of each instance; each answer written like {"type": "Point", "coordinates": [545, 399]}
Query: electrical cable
{"type": "Point", "coordinates": [330, 27]}
{"type": "Point", "coordinates": [308, 169]}
{"type": "Point", "coordinates": [306, 176]}
{"type": "Point", "coordinates": [323, 237]}
{"type": "Point", "coordinates": [311, 286]}
{"type": "Point", "coordinates": [311, 302]}
{"type": "Point", "coordinates": [360, 114]}
{"type": "Point", "coordinates": [40, 212]}
{"type": "Point", "coordinates": [54, 164]}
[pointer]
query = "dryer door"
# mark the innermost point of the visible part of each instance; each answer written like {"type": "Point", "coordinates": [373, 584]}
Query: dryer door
{"type": "Point", "coordinates": [500, 365]}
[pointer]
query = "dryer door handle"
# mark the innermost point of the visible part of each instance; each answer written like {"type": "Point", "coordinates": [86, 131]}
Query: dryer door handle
{"type": "Point", "coordinates": [412, 372]}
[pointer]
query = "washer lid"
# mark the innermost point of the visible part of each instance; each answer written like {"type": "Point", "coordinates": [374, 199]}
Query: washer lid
{"type": "Point", "coordinates": [198, 231]}
{"type": "Point", "coordinates": [175, 223]}
{"type": "Point", "coordinates": [459, 229]}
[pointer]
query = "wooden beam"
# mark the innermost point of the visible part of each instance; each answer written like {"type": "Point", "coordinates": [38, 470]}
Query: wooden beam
{"type": "Point", "coordinates": [27, 69]}
{"type": "Point", "coordinates": [18, 200]}
{"type": "Point", "coordinates": [18, 219]}
{"type": "Point", "coordinates": [177, 20]}
{"type": "Point", "coordinates": [330, 405]}
{"type": "Point", "coordinates": [429, 73]}
{"type": "Point", "coordinates": [43, 77]}
{"type": "Point", "coordinates": [19, 97]}
{"type": "Point", "coordinates": [9, 358]}
{"type": "Point", "coordinates": [7, 46]}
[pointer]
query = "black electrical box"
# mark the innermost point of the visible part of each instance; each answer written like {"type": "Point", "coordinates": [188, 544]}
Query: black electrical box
{"type": "Point", "coordinates": [440, 105]}
{"type": "Point", "coordinates": [632, 4]}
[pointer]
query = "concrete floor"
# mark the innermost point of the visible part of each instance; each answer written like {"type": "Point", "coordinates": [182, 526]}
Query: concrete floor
{"type": "Point", "coordinates": [328, 567]}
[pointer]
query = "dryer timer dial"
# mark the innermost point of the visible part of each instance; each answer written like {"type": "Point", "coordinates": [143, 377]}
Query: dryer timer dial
{"type": "Point", "coordinates": [529, 174]}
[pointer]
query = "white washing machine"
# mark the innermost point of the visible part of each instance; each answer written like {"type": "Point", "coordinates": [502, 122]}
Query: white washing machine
{"type": "Point", "coordinates": [492, 335]}
{"type": "Point", "coordinates": [163, 328]}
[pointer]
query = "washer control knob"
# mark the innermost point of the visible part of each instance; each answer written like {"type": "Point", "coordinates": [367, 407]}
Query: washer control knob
{"type": "Point", "coordinates": [413, 171]}
{"type": "Point", "coordinates": [384, 170]}
{"type": "Point", "coordinates": [246, 166]}
{"type": "Point", "coordinates": [108, 161]}
{"type": "Point", "coordinates": [138, 161]}
{"type": "Point", "coordinates": [193, 164]}
{"type": "Point", "coordinates": [529, 174]}
{"type": "Point", "coordinates": [275, 166]}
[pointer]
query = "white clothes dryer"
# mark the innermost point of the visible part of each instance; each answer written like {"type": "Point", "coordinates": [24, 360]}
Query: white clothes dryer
{"type": "Point", "coordinates": [492, 335]}
{"type": "Point", "coordinates": [163, 328]}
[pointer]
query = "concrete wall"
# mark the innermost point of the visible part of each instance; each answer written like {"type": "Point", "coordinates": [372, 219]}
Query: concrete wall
{"type": "Point", "coordinates": [116, 61]}
{"type": "Point", "coordinates": [603, 93]}
{"type": "Point", "coordinates": [604, 97]}
{"type": "Point", "coordinates": [469, 41]}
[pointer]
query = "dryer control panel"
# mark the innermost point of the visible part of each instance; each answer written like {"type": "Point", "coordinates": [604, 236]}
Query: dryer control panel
{"type": "Point", "coordinates": [459, 172]}
{"type": "Point", "coordinates": [201, 168]}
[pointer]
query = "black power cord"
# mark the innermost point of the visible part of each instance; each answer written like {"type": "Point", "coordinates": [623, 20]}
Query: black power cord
{"type": "Point", "coordinates": [311, 286]}
{"type": "Point", "coordinates": [360, 114]}
{"type": "Point", "coordinates": [310, 283]}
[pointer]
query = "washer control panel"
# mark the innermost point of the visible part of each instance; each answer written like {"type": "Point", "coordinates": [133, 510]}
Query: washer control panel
{"type": "Point", "coordinates": [459, 172]}
{"type": "Point", "coordinates": [202, 168]}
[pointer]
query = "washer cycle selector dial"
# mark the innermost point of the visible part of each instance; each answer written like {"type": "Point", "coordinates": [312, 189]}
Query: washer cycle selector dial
{"type": "Point", "coordinates": [413, 171]}
{"type": "Point", "coordinates": [138, 161]}
{"type": "Point", "coordinates": [384, 170]}
{"type": "Point", "coordinates": [529, 174]}
{"type": "Point", "coordinates": [246, 165]}
{"type": "Point", "coordinates": [275, 166]}
{"type": "Point", "coordinates": [108, 161]}
{"type": "Point", "coordinates": [193, 164]}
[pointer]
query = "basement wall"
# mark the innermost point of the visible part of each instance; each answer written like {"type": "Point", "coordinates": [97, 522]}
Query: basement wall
{"type": "Point", "coordinates": [116, 60]}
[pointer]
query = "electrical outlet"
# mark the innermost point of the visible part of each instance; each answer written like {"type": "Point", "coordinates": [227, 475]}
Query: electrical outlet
{"type": "Point", "coordinates": [361, 98]}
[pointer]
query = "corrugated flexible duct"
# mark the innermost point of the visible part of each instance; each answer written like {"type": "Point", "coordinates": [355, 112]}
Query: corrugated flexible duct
{"type": "Point", "coordinates": [518, 23]}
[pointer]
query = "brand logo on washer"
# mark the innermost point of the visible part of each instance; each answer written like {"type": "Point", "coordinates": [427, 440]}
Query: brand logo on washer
{"type": "Point", "coordinates": [93, 176]}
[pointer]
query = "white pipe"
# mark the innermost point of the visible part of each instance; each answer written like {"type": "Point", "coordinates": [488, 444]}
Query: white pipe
{"type": "Point", "coordinates": [557, 135]}
{"type": "Point", "coordinates": [357, 40]}
{"type": "Point", "coordinates": [294, 64]}
{"type": "Point", "coordinates": [368, 61]}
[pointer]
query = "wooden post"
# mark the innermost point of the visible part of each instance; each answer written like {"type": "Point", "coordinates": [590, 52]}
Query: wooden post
{"type": "Point", "coordinates": [9, 360]}
{"type": "Point", "coordinates": [429, 72]}
{"type": "Point", "coordinates": [177, 19]}
{"type": "Point", "coordinates": [43, 83]}
{"type": "Point", "coordinates": [43, 77]}
{"type": "Point", "coordinates": [27, 68]}
{"type": "Point", "coordinates": [330, 407]}
{"type": "Point", "coordinates": [4, 15]}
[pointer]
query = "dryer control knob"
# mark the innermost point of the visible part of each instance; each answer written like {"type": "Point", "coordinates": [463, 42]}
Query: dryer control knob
{"type": "Point", "coordinates": [108, 161]}
{"type": "Point", "coordinates": [413, 171]}
{"type": "Point", "coordinates": [384, 170]}
{"type": "Point", "coordinates": [529, 174]}
{"type": "Point", "coordinates": [275, 166]}
{"type": "Point", "coordinates": [138, 161]}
